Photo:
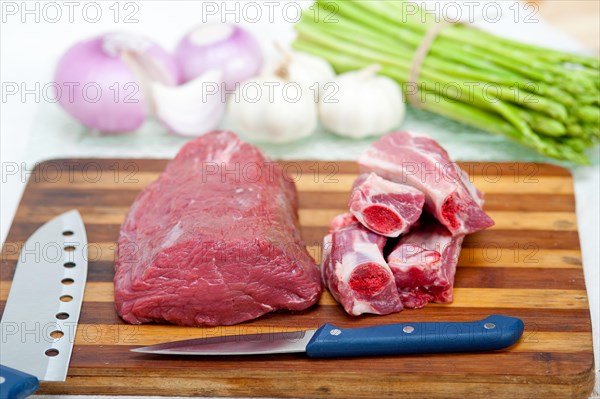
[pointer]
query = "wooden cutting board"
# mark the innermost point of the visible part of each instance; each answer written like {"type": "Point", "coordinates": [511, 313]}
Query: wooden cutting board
{"type": "Point", "coordinates": [528, 265]}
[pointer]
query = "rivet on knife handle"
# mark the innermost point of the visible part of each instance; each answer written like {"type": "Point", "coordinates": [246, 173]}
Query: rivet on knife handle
{"type": "Point", "coordinates": [492, 333]}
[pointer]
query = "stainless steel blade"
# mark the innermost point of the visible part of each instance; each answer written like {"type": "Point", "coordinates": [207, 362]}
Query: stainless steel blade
{"type": "Point", "coordinates": [249, 344]}
{"type": "Point", "coordinates": [42, 310]}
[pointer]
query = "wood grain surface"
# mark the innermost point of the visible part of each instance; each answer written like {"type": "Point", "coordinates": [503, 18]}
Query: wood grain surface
{"type": "Point", "coordinates": [528, 266]}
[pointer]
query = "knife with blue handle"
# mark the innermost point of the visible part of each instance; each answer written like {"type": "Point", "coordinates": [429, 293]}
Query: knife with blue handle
{"type": "Point", "coordinates": [41, 313]}
{"type": "Point", "coordinates": [492, 333]}
{"type": "Point", "coordinates": [15, 384]}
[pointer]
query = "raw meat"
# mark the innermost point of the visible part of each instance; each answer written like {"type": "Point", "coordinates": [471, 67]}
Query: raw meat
{"type": "Point", "coordinates": [421, 162]}
{"type": "Point", "coordinates": [424, 263]}
{"type": "Point", "coordinates": [342, 220]}
{"type": "Point", "coordinates": [355, 271]}
{"type": "Point", "coordinates": [214, 241]}
{"type": "Point", "coordinates": [385, 207]}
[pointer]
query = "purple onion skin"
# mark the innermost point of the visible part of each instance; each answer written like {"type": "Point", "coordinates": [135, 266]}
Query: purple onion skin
{"type": "Point", "coordinates": [119, 106]}
{"type": "Point", "coordinates": [239, 57]}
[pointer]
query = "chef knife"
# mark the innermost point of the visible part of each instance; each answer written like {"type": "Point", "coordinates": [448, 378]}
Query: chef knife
{"type": "Point", "coordinates": [42, 309]}
{"type": "Point", "coordinates": [492, 333]}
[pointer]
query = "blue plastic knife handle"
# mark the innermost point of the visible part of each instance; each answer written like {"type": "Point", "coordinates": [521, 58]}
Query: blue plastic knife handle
{"type": "Point", "coordinates": [15, 384]}
{"type": "Point", "coordinates": [494, 332]}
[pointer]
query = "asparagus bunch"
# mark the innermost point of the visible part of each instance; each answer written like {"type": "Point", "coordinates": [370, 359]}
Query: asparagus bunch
{"type": "Point", "coordinates": [545, 99]}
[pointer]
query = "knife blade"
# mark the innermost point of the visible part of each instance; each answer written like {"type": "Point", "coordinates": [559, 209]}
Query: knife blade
{"type": "Point", "coordinates": [492, 333]}
{"type": "Point", "coordinates": [42, 309]}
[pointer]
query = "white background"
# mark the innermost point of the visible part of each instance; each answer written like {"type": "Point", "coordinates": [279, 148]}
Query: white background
{"type": "Point", "coordinates": [29, 50]}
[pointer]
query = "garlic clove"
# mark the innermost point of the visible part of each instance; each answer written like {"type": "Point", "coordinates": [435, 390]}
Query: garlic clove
{"type": "Point", "coordinates": [191, 109]}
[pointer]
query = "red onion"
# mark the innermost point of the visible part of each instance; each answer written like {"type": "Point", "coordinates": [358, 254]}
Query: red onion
{"type": "Point", "coordinates": [103, 80]}
{"type": "Point", "coordinates": [228, 48]}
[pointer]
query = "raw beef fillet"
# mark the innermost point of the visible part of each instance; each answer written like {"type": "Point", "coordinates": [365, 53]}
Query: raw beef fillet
{"type": "Point", "coordinates": [424, 263]}
{"type": "Point", "coordinates": [422, 163]}
{"type": "Point", "coordinates": [385, 207]}
{"type": "Point", "coordinates": [214, 241]}
{"type": "Point", "coordinates": [355, 271]}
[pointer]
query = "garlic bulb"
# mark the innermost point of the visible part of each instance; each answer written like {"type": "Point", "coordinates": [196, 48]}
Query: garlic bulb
{"type": "Point", "coordinates": [310, 72]}
{"type": "Point", "coordinates": [365, 104]}
{"type": "Point", "coordinates": [272, 109]}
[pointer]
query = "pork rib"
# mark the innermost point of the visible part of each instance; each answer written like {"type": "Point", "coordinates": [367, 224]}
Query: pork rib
{"type": "Point", "coordinates": [214, 241]}
{"type": "Point", "coordinates": [385, 207]}
{"type": "Point", "coordinates": [424, 263]}
{"type": "Point", "coordinates": [355, 271]}
{"type": "Point", "coordinates": [422, 163]}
